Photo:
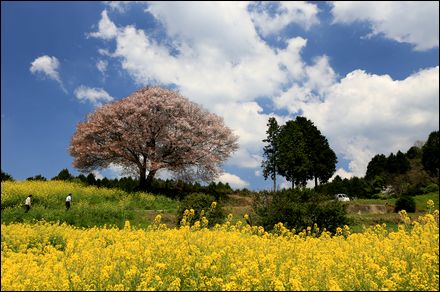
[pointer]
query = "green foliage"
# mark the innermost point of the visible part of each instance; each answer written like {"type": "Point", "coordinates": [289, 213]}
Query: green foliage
{"type": "Point", "coordinates": [64, 174]}
{"type": "Point", "coordinates": [174, 189]}
{"type": "Point", "coordinates": [422, 199]}
{"type": "Point", "coordinates": [432, 187]}
{"type": "Point", "coordinates": [6, 176]}
{"type": "Point", "coordinates": [397, 164]}
{"type": "Point", "coordinates": [292, 160]}
{"type": "Point", "coordinates": [322, 158]}
{"type": "Point", "coordinates": [354, 187]}
{"type": "Point", "coordinates": [406, 203]}
{"type": "Point", "coordinates": [37, 177]}
{"type": "Point", "coordinates": [199, 202]}
{"type": "Point", "coordinates": [430, 156]}
{"type": "Point", "coordinates": [376, 167]}
{"type": "Point", "coordinates": [270, 151]}
{"type": "Point", "coordinates": [299, 209]}
{"type": "Point", "coordinates": [387, 167]}
{"type": "Point", "coordinates": [414, 152]}
{"type": "Point", "coordinates": [298, 151]}
{"type": "Point", "coordinates": [57, 241]}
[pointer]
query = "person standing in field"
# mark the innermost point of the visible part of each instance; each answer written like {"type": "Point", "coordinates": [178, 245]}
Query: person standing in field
{"type": "Point", "coordinates": [27, 203]}
{"type": "Point", "coordinates": [68, 201]}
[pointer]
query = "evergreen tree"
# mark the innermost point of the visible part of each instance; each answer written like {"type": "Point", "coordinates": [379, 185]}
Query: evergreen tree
{"type": "Point", "coordinates": [430, 155]}
{"type": "Point", "coordinates": [270, 151]}
{"type": "Point", "coordinates": [376, 167]}
{"type": "Point", "coordinates": [6, 176]}
{"type": "Point", "coordinates": [37, 177]}
{"type": "Point", "coordinates": [292, 159]}
{"type": "Point", "coordinates": [63, 175]}
{"type": "Point", "coordinates": [91, 180]}
{"type": "Point", "coordinates": [322, 158]}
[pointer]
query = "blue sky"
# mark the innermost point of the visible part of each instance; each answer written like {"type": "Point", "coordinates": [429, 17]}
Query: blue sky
{"type": "Point", "coordinates": [366, 73]}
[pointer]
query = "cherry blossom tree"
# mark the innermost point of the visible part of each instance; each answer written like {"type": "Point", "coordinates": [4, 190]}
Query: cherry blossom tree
{"type": "Point", "coordinates": [152, 129]}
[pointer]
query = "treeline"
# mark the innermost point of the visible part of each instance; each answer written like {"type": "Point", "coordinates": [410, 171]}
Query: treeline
{"type": "Point", "coordinates": [398, 174]}
{"type": "Point", "coordinates": [175, 189]}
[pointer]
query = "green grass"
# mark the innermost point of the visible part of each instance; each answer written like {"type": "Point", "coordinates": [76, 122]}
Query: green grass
{"type": "Point", "coordinates": [420, 201]}
{"type": "Point", "coordinates": [359, 221]}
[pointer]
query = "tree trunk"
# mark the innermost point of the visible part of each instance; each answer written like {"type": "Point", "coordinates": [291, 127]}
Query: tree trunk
{"type": "Point", "coordinates": [316, 181]}
{"type": "Point", "coordinates": [149, 179]}
{"type": "Point", "coordinates": [274, 179]}
{"type": "Point", "coordinates": [142, 180]}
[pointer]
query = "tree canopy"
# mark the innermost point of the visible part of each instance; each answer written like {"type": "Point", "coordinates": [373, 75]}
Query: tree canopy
{"type": "Point", "coordinates": [152, 129]}
{"type": "Point", "coordinates": [430, 156]}
{"type": "Point", "coordinates": [270, 151]}
{"type": "Point", "coordinates": [298, 151]}
{"type": "Point", "coordinates": [292, 160]}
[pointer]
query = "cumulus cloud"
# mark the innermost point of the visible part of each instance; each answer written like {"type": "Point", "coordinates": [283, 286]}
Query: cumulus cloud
{"type": "Point", "coordinates": [366, 114]}
{"type": "Point", "coordinates": [97, 174]}
{"type": "Point", "coordinates": [215, 57]}
{"type": "Point", "coordinates": [94, 95]}
{"type": "Point", "coordinates": [221, 63]}
{"type": "Point", "coordinates": [233, 180]}
{"type": "Point", "coordinates": [342, 173]}
{"type": "Point", "coordinates": [272, 17]}
{"type": "Point", "coordinates": [106, 29]}
{"type": "Point", "coordinates": [48, 66]}
{"type": "Point", "coordinates": [414, 22]}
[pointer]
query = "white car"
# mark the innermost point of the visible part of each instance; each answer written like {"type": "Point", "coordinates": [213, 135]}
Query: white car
{"type": "Point", "coordinates": [342, 197]}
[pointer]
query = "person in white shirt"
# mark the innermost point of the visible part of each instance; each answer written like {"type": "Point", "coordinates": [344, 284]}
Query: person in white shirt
{"type": "Point", "coordinates": [27, 203]}
{"type": "Point", "coordinates": [68, 201]}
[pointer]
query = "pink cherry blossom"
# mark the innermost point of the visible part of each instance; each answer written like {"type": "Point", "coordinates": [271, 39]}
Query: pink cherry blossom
{"type": "Point", "coordinates": [152, 129]}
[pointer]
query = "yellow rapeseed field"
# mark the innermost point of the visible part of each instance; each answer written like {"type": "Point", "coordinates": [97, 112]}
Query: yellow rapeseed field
{"type": "Point", "coordinates": [46, 256]}
{"type": "Point", "coordinates": [53, 192]}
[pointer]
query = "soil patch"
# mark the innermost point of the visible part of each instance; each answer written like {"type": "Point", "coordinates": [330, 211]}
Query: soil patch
{"type": "Point", "coordinates": [370, 209]}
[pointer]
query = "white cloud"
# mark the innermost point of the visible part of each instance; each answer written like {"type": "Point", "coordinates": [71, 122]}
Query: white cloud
{"type": "Point", "coordinates": [93, 95]}
{"type": "Point", "coordinates": [106, 29]}
{"type": "Point", "coordinates": [119, 6]}
{"type": "Point", "coordinates": [342, 174]}
{"type": "Point", "coordinates": [220, 54]}
{"type": "Point", "coordinates": [222, 64]}
{"type": "Point", "coordinates": [49, 67]}
{"type": "Point", "coordinates": [414, 22]}
{"type": "Point", "coordinates": [233, 180]}
{"type": "Point", "coordinates": [317, 79]}
{"type": "Point", "coordinates": [320, 76]}
{"type": "Point", "coordinates": [102, 66]}
{"type": "Point", "coordinates": [365, 114]}
{"type": "Point", "coordinates": [97, 174]}
{"type": "Point", "coordinates": [218, 60]}
{"type": "Point", "coordinates": [285, 13]}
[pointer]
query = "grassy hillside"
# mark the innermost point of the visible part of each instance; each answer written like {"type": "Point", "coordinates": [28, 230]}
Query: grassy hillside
{"type": "Point", "coordinates": [380, 211]}
{"type": "Point", "coordinates": [91, 206]}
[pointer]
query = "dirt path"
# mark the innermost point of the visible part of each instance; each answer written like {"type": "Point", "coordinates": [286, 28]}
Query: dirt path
{"type": "Point", "coordinates": [370, 209]}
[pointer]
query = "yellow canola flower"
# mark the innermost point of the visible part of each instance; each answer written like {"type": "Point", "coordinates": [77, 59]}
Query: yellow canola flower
{"type": "Point", "coordinates": [44, 256]}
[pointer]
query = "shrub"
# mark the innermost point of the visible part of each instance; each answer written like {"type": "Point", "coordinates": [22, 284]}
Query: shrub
{"type": "Point", "coordinates": [299, 209]}
{"type": "Point", "coordinates": [432, 187]}
{"type": "Point", "coordinates": [406, 203]}
{"type": "Point", "coordinates": [412, 190]}
{"type": "Point", "coordinates": [199, 202]}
